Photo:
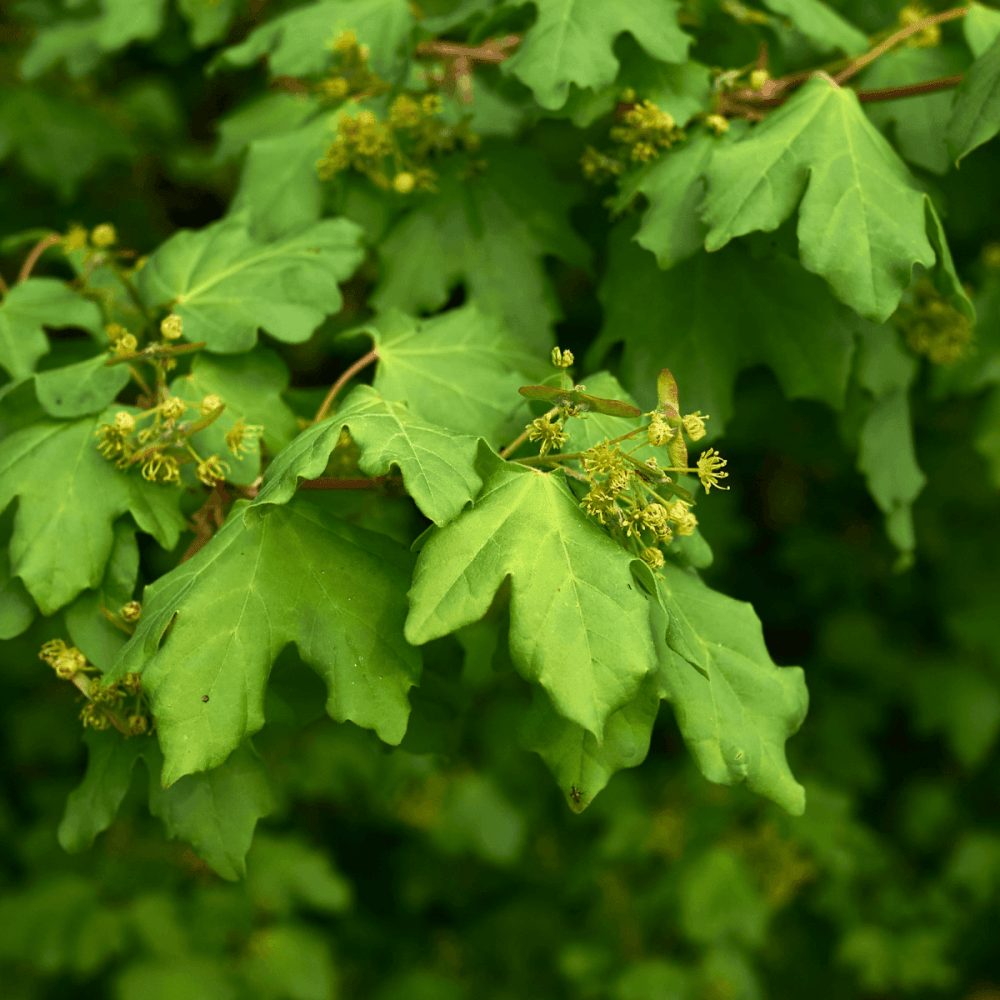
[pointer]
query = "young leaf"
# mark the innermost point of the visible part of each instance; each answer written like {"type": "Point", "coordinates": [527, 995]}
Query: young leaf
{"type": "Point", "coordinates": [577, 625]}
{"type": "Point", "coordinates": [69, 497]}
{"type": "Point", "coordinates": [500, 221]}
{"type": "Point", "coordinates": [975, 117]}
{"type": "Point", "coordinates": [736, 715]}
{"type": "Point", "coordinates": [980, 27]}
{"type": "Point", "coordinates": [297, 43]}
{"type": "Point", "coordinates": [214, 811]}
{"type": "Point", "coordinates": [210, 19]}
{"type": "Point", "coordinates": [584, 402]}
{"type": "Point", "coordinates": [580, 764]}
{"type": "Point", "coordinates": [212, 627]}
{"type": "Point", "coordinates": [29, 306]}
{"type": "Point", "coordinates": [772, 312]}
{"type": "Point", "coordinates": [250, 385]}
{"type": "Point", "coordinates": [76, 390]}
{"type": "Point", "coordinates": [572, 42]}
{"type": "Point", "coordinates": [436, 464]}
{"type": "Point", "coordinates": [91, 632]}
{"type": "Point", "coordinates": [17, 609]}
{"type": "Point", "coordinates": [225, 285]}
{"type": "Point", "coordinates": [822, 25]}
{"type": "Point", "coordinates": [460, 370]}
{"type": "Point", "coordinates": [861, 220]}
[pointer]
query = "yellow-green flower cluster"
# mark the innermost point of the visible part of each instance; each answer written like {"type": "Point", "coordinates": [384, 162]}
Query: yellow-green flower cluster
{"type": "Point", "coordinates": [394, 153]}
{"type": "Point", "coordinates": [350, 76]}
{"type": "Point", "coordinates": [927, 37]}
{"type": "Point", "coordinates": [933, 326]}
{"type": "Point", "coordinates": [121, 704]}
{"type": "Point", "coordinates": [647, 131]}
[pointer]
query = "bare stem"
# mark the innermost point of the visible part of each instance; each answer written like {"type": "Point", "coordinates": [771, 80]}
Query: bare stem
{"type": "Point", "coordinates": [32, 259]}
{"type": "Point", "coordinates": [495, 50]}
{"type": "Point", "coordinates": [911, 29]}
{"type": "Point", "coordinates": [362, 362]}
{"type": "Point", "coordinates": [911, 89]}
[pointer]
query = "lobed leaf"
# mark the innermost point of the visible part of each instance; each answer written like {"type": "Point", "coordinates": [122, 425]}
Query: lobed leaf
{"type": "Point", "coordinates": [212, 627]}
{"type": "Point", "coordinates": [577, 625]}
{"type": "Point", "coordinates": [975, 117]}
{"type": "Point", "coordinates": [437, 465]}
{"type": "Point", "coordinates": [225, 284]}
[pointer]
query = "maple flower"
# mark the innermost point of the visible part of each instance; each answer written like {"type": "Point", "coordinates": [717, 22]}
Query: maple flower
{"type": "Point", "coordinates": [75, 239]}
{"type": "Point", "coordinates": [709, 465]}
{"type": "Point", "coordinates": [603, 459]}
{"type": "Point", "coordinates": [404, 183]}
{"type": "Point", "coordinates": [124, 422]}
{"type": "Point", "coordinates": [131, 612]}
{"type": "Point", "coordinates": [654, 517]}
{"type": "Point", "coordinates": [125, 345]}
{"type": "Point", "coordinates": [549, 432]}
{"type": "Point", "coordinates": [211, 470]}
{"type": "Point", "coordinates": [115, 332]}
{"type": "Point", "coordinates": [562, 359]}
{"type": "Point", "coordinates": [172, 327]}
{"type": "Point", "coordinates": [67, 661]}
{"type": "Point", "coordinates": [103, 236]}
{"type": "Point", "coordinates": [694, 424]}
{"type": "Point", "coordinates": [161, 468]}
{"type": "Point", "coordinates": [717, 123]}
{"type": "Point", "coordinates": [600, 503]}
{"type": "Point", "coordinates": [210, 404]}
{"type": "Point", "coordinates": [652, 557]}
{"type": "Point", "coordinates": [111, 442]}
{"type": "Point", "coordinates": [139, 724]}
{"type": "Point", "coordinates": [173, 408]}
{"type": "Point", "coordinates": [336, 87]}
{"type": "Point", "coordinates": [94, 718]}
{"type": "Point", "coordinates": [239, 433]}
{"type": "Point", "coordinates": [659, 432]}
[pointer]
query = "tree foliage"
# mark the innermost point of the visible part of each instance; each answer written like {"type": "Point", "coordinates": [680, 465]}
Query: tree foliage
{"type": "Point", "coordinates": [433, 434]}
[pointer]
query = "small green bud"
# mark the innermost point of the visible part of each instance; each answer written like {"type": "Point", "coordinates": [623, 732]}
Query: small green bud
{"type": "Point", "coordinates": [131, 612]}
{"type": "Point", "coordinates": [103, 236]}
{"type": "Point", "coordinates": [404, 183]}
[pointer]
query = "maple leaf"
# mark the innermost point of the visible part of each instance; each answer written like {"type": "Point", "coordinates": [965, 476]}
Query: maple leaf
{"type": "Point", "coordinates": [578, 627]}
{"type": "Point", "coordinates": [225, 284]}
{"type": "Point", "coordinates": [300, 575]}
{"type": "Point", "coordinates": [571, 42]}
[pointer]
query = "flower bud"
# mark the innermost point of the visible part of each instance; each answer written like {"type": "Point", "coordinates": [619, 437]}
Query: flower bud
{"type": "Point", "coordinates": [172, 327]}
{"type": "Point", "coordinates": [210, 404]}
{"type": "Point", "coordinates": [404, 182]}
{"type": "Point", "coordinates": [124, 422]}
{"type": "Point", "coordinates": [173, 408]}
{"type": "Point", "coordinates": [652, 557]}
{"type": "Point", "coordinates": [717, 124]}
{"type": "Point", "coordinates": [131, 612]}
{"type": "Point", "coordinates": [103, 236]}
{"type": "Point", "coordinates": [115, 332]}
{"type": "Point", "coordinates": [126, 344]}
{"type": "Point", "coordinates": [758, 78]}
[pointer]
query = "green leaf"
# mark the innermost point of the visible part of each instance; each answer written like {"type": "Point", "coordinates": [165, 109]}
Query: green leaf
{"type": "Point", "coordinates": [459, 370]}
{"type": "Point", "coordinates": [920, 121]}
{"type": "Point", "coordinates": [58, 142]}
{"type": "Point", "coordinates": [264, 117]}
{"type": "Point", "coordinates": [975, 116]}
{"type": "Point", "coordinates": [93, 805]}
{"type": "Point", "coordinates": [215, 811]}
{"type": "Point", "coordinates": [572, 40]}
{"type": "Point", "coordinates": [580, 764]}
{"type": "Point", "coordinates": [861, 221]}
{"type": "Point", "coordinates": [250, 385]}
{"type": "Point", "coordinates": [91, 632]}
{"type": "Point", "coordinates": [300, 575]}
{"type": "Point", "coordinates": [17, 609]}
{"type": "Point", "coordinates": [289, 962]}
{"type": "Point", "coordinates": [26, 309]}
{"type": "Point", "coordinates": [578, 626]}
{"type": "Point", "coordinates": [297, 43]}
{"type": "Point", "coordinates": [719, 900]}
{"type": "Point", "coordinates": [210, 19]}
{"type": "Point", "coordinates": [279, 188]}
{"type": "Point", "coordinates": [822, 25]}
{"type": "Point", "coordinates": [69, 498]}
{"type": "Point", "coordinates": [887, 457]}
{"type": "Point", "coordinates": [436, 464]}
{"type": "Point", "coordinates": [178, 977]}
{"type": "Point", "coordinates": [283, 873]}
{"type": "Point", "coordinates": [980, 27]}
{"type": "Point", "coordinates": [225, 284]}
{"type": "Point", "coordinates": [772, 312]}
{"type": "Point", "coordinates": [583, 401]}
{"type": "Point", "coordinates": [77, 390]}
{"type": "Point", "coordinates": [82, 42]}
{"type": "Point", "coordinates": [987, 438]}
{"type": "Point", "coordinates": [671, 227]}
{"type": "Point", "coordinates": [734, 707]}
{"type": "Point", "coordinates": [502, 221]}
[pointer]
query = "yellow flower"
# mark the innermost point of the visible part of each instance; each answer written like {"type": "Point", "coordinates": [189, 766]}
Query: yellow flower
{"type": "Point", "coordinates": [239, 433]}
{"type": "Point", "coordinates": [131, 612]}
{"type": "Point", "coordinates": [211, 470]}
{"type": "Point", "coordinates": [709, 465]}
{"type": "Point", "coordinates": [717, 124]}
{"type": "Point", "coordinates": [562, 359]}
{"type": "Point", "coordinates": [600, 503]}
{"type": "Point", "coordinates": [549, 432]}
{"type": "Point", "coordinates": [75, 239]}
{"type": "Point", "coordinates": [172, 327]}
{"type": "Point", "coordinates": [115, 332]}
{"type": "Point", "coordinates": [659, 432]}
{"type": "Point", "coordinates": [210, 404]}
{"type": "Point", "coordinates": [694, 424]}
{"type": "Point", "coordinates": [161, 468]}
{"type": "Point", "coordinates": [653, 558]}
{"type": "Point", "coordinates": [124, 422]}
{"type": "Point", "coordinates": [173, 408]}
{"type": "Point", "coordinates": [125, 345]}
{"type": "Point", "coordinates": [103, 236]}
{"type": "Point", "coordinates": [404, 183]}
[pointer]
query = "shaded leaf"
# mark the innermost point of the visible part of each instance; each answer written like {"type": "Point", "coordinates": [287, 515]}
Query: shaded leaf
{"type": "Point", "coordinates": [210, 19]}
{"type": "Point", "coordinates": [212, 627]}
{"type": "Point", "coordinates": [76, 390]}
{"type": "Point", "coordinates": [975, 117]}
{"type": "Point", "coordinates": [822, 25]}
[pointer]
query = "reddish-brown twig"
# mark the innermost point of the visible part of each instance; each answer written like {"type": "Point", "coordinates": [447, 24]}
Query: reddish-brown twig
{"type": "Point", "coordinates": [362, 362]}
{"type": "Point", "coordinates": [32, 259]}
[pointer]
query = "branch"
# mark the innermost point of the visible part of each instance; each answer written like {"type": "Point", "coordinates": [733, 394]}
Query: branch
{"type": "Point", "coordinates": [32, 259]}
{"type": "Point", "coordinates": [911, 89]}
{"type": "Point", "coordinates": [327, 483]}
{"type": "Point", "coordinates": [363, 362]}
{"type": "Point", "coordinates": [911, 29]}
{"type": "Point", "coordinates": [494, 50]}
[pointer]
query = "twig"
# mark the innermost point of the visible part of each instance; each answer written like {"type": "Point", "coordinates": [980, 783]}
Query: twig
{"type": "Point", "coordinates": [494, 50]}
{"type": "Point", "coordinates": [154, 353]}
{"type": "Point", "coordinates": [363, 362]}
{"type": "Point", "coordinates": [327, 483]}
{"type": "Point", "coordinates": [911, 89]}
{"type": "Point", "coordinates": [32, 259]}
{"type": "Point", "coordinates": [911, 29]}
{"type": "Point", "coordinates": [523, 436]}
